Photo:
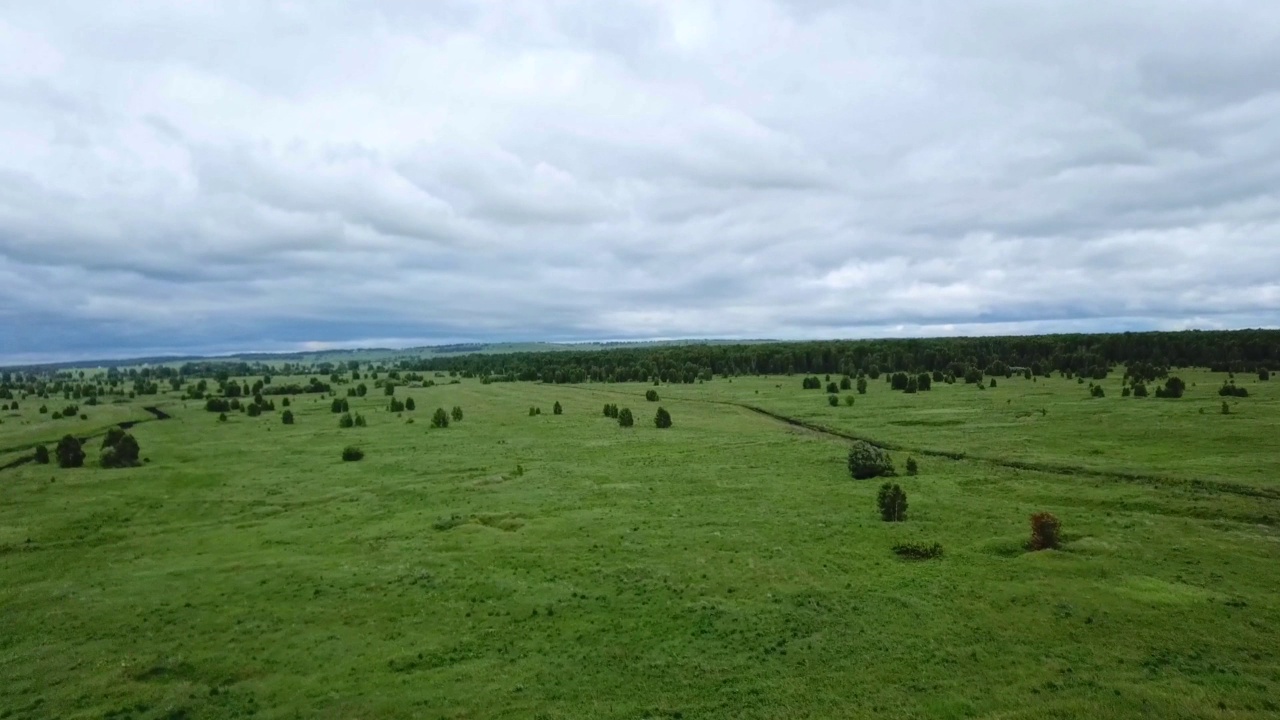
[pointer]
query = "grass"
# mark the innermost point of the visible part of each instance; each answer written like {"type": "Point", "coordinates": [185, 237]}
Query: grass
{"type": "Point", "coordinates": [726, 567]}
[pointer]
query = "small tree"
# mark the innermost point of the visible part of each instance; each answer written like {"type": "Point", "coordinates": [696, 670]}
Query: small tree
{"type": "Point", "coordinates": [1045, 531]}
{"type": "Point", "coordinates": [1226, 409]}
{"type": "Point", "coordinates": [913, 468]}
{"type": "Point", "coordinates": [42, 455]}
{"type": "Point", "coordinates": [1264, 374]}
{"type": "Point", "coordinates": [222, 417]}
{"type": "Point", "coordinates": [625, 419]}
{"type": "Point", "coordinates": [651, 395]}
{"type": "Point", "coordinates": [1097, 391]}
{"type": "Point", "coordinates": [410, 405]}
{"type": "Point", "coordinates": [892, 501]}
{"type": "Point", "coordinates": [833, 400]}
{"type": "Point", "coordinates": [285, 402]}
{"type": "Point", "coordinates": [833, 388]}
{"type": "Point", "coordinates": [395, 405]}
{"type": "Point", "coordinates": [557, 409]}
{"type": "Point", "coordinates": [457, 413]}
{"type": "Point", "coordinates": [351, 453]}
{"type": "Point", "coordinates": [848, 400]}
{"type": "Point", "coordinates": [663, 418]}
{"type": "Point", "coordinates": [868, 461]}
{"type": "Point", "coordinates": [532, 411]}
{"type": "Point", "coordinates": [346, 421]}
{"type": "Point", "coordinates": [70, 452]}
{"type": "Point", "coordinates": [440, 419]}
{"type": "Point", "coordinates": [119, 449]}
{"type": "Point", "coordinates": [846, 383]}
{"type": "Point", "coordinates": [608, 410]}
{"type": "Point", "coordinates": [862, 386]}
{"type": "Point", "coordinates": [287, 417]}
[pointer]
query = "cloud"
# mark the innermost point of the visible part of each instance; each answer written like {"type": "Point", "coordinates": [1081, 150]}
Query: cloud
{"type": "Point", "coordinates": [202, 177]}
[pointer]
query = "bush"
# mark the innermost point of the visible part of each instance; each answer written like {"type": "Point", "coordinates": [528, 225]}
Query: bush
{"type": "Point", "coordinates": [625, 418]}
{"type": "Point", "coordinates": [833, 400]}
{"type": "Point", "coordinates": [1226, 409]}
{"type": "Point", "coordinates": [913, 468]}
{"type": "Point", "coordinates": [811, 383]}
{"type": "Point", "coordinates": [339, 405]}
{"type": "Point", "coordinates": [992, 383]}
{"type": "Point", "coordinates": [662, 419]}
{"type": "Point", "coordinates": [222, 417]}
{"type": "Point", "coordinates": [1045, 531]}
{"type": "Point", "coordinates": [410, 405]}
{"type": "Point", "coordinates": [351, 453]}
{"type": "Point", "coordinates": [1229, 389]}
{"type": "Point", "coordinates": [892, 501]}
{"type": "Point", "coordinates": [868, 461]}
{"type": "Point", "coordinates": [848, 400]}
{"type": "Point", "coordinates": [457, 413]}
{"type": "Point", "coordinates": [898, 381]}
{"type": "Point", "coordinates": [557, 409]}
{"type": "Point", "coordinates": [1097, 391]}
{"type": "Point", "coordinates": [119, 449]}
{"type": "Point", "coordinates": [346, 421]}
{"type": "Point", "coordinates": [1264, 374]}
{"type": "Point", "coordinates": [254, 411]}
{"type": "Point", "coordinates": [1173, 388]}
{"type": "Point", "coordinates": [42, 455]}
{"type": "Point", "coordinates": [284, 402]}
{"type": "Point", "coordinates": [1139, 390]}
{"type": "Point", "coordinates": [833, 388]}
{"type": "Point", "coordinates": [918, 551]}
{"type": "Point", "coordinates": [217, 405]}
{"type": "Point", "coordinates": [862, 386]}
{"type": "Point", "coordinates": [440, 419]}
{"type": "Point", "coordinates": [1124, 391]}
{"type": "Point", "coordinates": [395, 406]}
{"type": "Point", "coordinates": [846, 383]}
{"type": "Point", "coordinates": [70, 452]}
{"type": "Point", "coordinates": [287, 417]}
{"type": "Point", "coordinates": [651, 395]}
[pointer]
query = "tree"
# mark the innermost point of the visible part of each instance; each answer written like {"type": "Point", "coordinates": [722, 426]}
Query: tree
{"type": "Point", "coordinates": [457, 413]}
{"type": "Point", "coordinates": [846, 383]}
{"type": "Point", "coordinates": [70, 453]}
{"type": "Point", "coordinates": [924, 383]}
{"type": "Point", "coordinates": [42, 455]}
{"type": "Point", "coordinates": [440, 419]}
{"type": "Point", "coordinates": [351, 453]}
{"type": "Point", "coordinates": [339, 405]}
{"type": "Point", "coordinates": [625, 418]}
{"type": "Point", "coordinates": [1097, 391]}
{"type": "Point", "coordinates": [287, 417]}
{"type": "Point", "coordinates": [1045, 531]}
{"type": "Point", "coordinates": [868, 461]}
{"type": "Point", "coordinates": [557, 409]}
{"type": "Point", "coordinates": [395, 405]}
{"type": "Point", "coordinates": [119, 449]}
{"type": "Point", "coordinates": [892, 501]}
{"type": "Point", "coordinates": [222, 417]}
{"type": "Point", "coordinates": [346, 421]}
{"type": "Point", "coordinates": [1264, 374]}
{"type": "Point", "coordinates": [898, 381]}
{"type": "Point", "coordinates": [410, 405]}
{"type": "Point", "coordinates": [833, 388]}
{"type": "Point", "coordinates": [913, 468]}
{"type": "Point", "coordinates": [651, 395]}
{"type": "Point", "coordinates": [284, 402]}
{"type": "Point", "coordinates": [662, 419]}
{"type": "Point", "coordinates": [848, 400]}
{"type": "Point", "coordinates": [862, 386]}
{"type": "Point", "coordinates": [254, 410]}
{"type": "Point", "coordinates": [833, 400]}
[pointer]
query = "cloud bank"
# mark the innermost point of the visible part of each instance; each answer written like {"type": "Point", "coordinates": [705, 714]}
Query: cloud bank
{"type": "Point", "coordinates": [214, 176]}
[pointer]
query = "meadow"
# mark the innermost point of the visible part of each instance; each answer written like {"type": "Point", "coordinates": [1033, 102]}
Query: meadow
{"type": "Point", "coordinates": [560, 566]}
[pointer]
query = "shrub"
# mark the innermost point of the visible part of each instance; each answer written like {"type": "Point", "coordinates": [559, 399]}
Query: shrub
{"type": "Point", "coordinates": [608, 410]}
{"type": "Point", "coordinates": [410, 405]}
{"type": "Point", "coordinates": [1045, 531]}
{"type": "Point", "coordinates": [222, 417]}
{"type": "Point", "coordinates": [846, 383]}
{"type": "Point", "coordinates": [557, 409]}
{"type": "Point", "coordinates": [892, 501]}
{"type": "Point", "coordinates": [918, 551]}
{"type": "Point", "coordinates": [862, 386]}
{"type": "Point", "coordinates": [287, 417]}
{"type": "Point", "coordinates": [625, 418]}
{"type": "Point", "coordinates": [339, 405]}
{"type": "Point", "coordinates": [898, 381]}
{"type": "Point", "coordinates": [663, 418]}
{"type": "Point", "coordinates": [395, 406]}
{"type": "Point", "coordinates": [1173, 388]}
{"type": "Point", "coordinates": [833, 400]}
{"type": "Point", "coordinates": [992, 383]}
{"type": "Point", "coordinates": [913, 468]}
{"type": "Point", "coordinates": [351, 453]}
{"type": "Point", "coordinates": [1264, 374]}
{"type": "Point", "coordinates": [1229, 389]}
{"type": "Point", "coordinates": [868, 461]}
{"type": "Point", "coordinates": [457, 413]}
{"type": "Point", "coordinates": [119, 449]}
{"type": "Point", "coordinates": [833, 388]}
{"type": "Point", "coordinates": [1097, 391]}
{"type": "Point", "coordinates": [848, 400]}
{"type": "Point", "coordinates": [1226, 409]}
{"type": "Point", "coordinates": [1140, 390]}
{"type": "Point", "coordinates": [70, 452]}
{"type": "Point", "coordinates": [651, 395]}
{"type": "Point", "coordinates": [1124, 391]}
{"type": "Point", "coordinates": [440, 419]}
{"type": "Point", "coordinates": [44, 410]}
{"type": "Point", "coordinates": [42, 455]}
{"type": "Point", "coordinates": [924, 383]}
{"type": "Point", "coordinates": [284, 402]}
{"type": "Point", "coordinates": [346, 421]}
{"type": "Point", "coordinates": [811, 383]}
{"type": "Point", "coordinates": [254, 411]}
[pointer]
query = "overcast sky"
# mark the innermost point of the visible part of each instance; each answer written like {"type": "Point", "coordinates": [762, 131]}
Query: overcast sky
{"type": "Point", "coordinates": [216, 176]}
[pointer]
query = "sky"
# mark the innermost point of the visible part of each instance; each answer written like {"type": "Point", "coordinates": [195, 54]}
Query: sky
{"type": "Point", "coordinates": [205, 177]}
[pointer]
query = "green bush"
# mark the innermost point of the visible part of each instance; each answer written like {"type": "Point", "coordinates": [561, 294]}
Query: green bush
{"type": "Point", "coordinates": [69, 452]}
{"type": "Point", "coordinates": [557, 409]}
{"type": "Point", "coordinates": [346, 421]}
{"type": "Point", "coordinates": [848, 400]}
{"type": "Point", "coordinates": [662, 419]}
{"type": "Point", "coordinates": [625, 419]}
{"type": "Point", "coordinates": [351, 453]}
{"type": "Point", "coordinates": [287, 417]}
{"type": "Point", "coordinates": [833, 388]}
{"type": "Point", "coordinates": [119, 449]}
{"type": "Point", "coordinates": [833, 400]}
{"type": "Point", "coordinates": [1045, 531]}
{"type": "Point", "coordinates": [867, 461]}
{"type": "Point", "coordinates": [651, 395]}
{"type": "Point", "coordinates": [440, 419]}
{"type": "Point", "coordinates": [42, 455]}
{"type": "Point", "coordinates": [1097, 391]}
{"type": "Point", "coordinates": [222, 417]}
{"type": "Point", "coordinates": [457, 413]}
{"type": "Point", "coordinates": [410, 405]}
{"type": "Point", "coordinates": [892, 501]}
{"type": "Point", "coordinates": [918, 551]}
{"type": "Point", "coordinates": [913, 468]}
{"type": "Point", "coordinates": [862, 386]}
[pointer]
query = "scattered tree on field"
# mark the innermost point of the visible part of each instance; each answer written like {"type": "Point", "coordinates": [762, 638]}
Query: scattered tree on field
{"type": "Point", "coordinates": [440, 419]}
{"type": "Point", "coordinates": [868, 461]}
{"type": "Point", "coordinates": [1045, 531]}
{"type": "Point", "coordinates": [410, 405]}
{"type": "Point", "coordinates": [351, 453]}
{"type": "Point", "coordinates": [663, 418]}
{"type": "Point", "coordinates": [848, 400]}
{"type": "Point", "coordinates": [70, 453]}
{"type": "Point", "coordinates": [833, 400]}
{"type": "Point", "coordinates": [625, 418]}
{"type": "Point", "coordinates": [346, 421]}
{"type": "Point", "coordinates": [913, 468]}
{"type": "Point", "coordinates": [651, 395]}
{"type": "Point", "coordinates": [42, 455]}
{"type": "Point", "coordinates": [557, 409]}
{"type": "Point", "coordinates": [119, 449]}
{"type": "Point", "coordinates": [892, 501]}
{"type": "Point", "coordinates": [457, 413]}
{"type": "Point", "coordinates": [287, 417]}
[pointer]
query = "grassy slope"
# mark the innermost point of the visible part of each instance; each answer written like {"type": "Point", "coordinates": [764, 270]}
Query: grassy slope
{"type": "Point", "coordinates": [726, 567]}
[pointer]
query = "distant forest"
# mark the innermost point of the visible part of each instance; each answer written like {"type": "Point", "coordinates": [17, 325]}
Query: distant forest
{"type": "Point", "coordinates": [1091, 355]}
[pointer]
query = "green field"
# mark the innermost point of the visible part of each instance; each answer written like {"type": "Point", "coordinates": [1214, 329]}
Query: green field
{"type": "Point", "coordinates": [727, 567]}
